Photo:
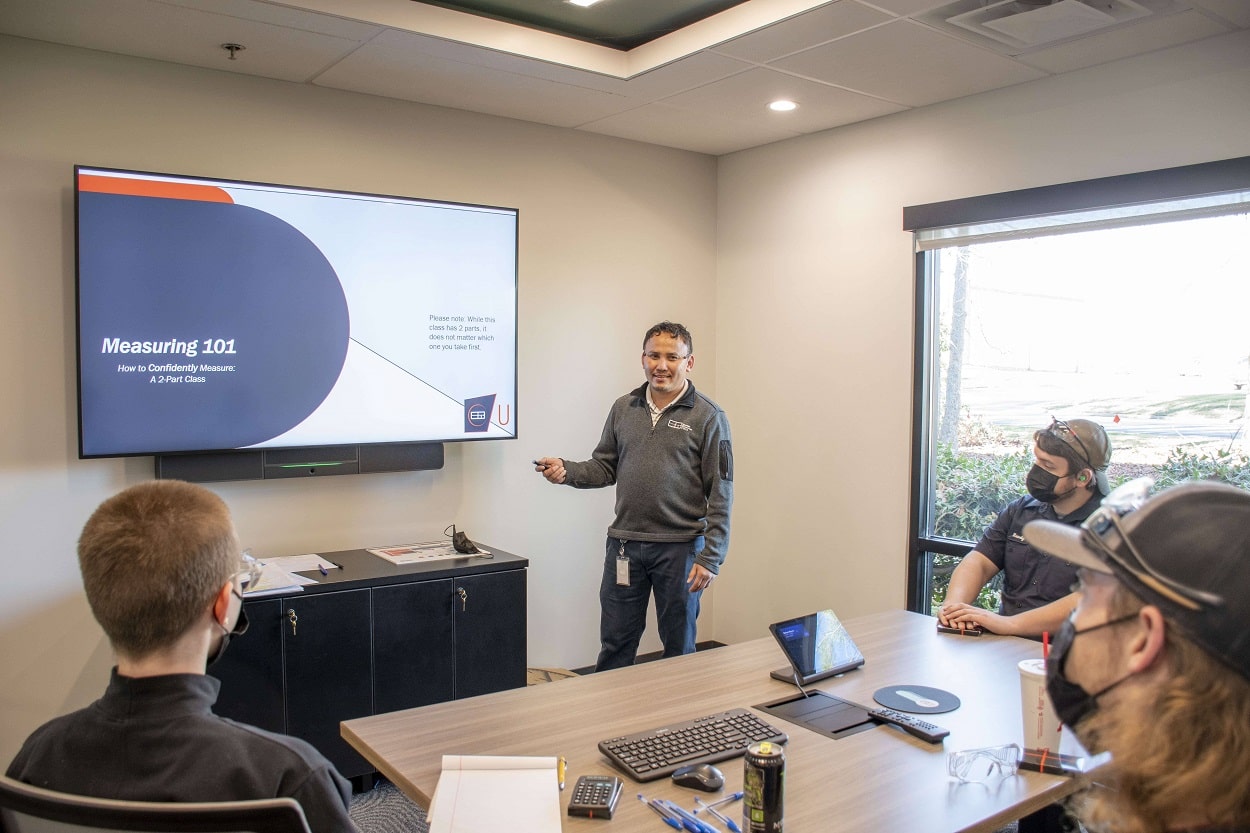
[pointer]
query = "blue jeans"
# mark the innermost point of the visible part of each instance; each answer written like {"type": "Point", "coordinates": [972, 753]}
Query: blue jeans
{"type": "Point", "coordinates": [658, 566]}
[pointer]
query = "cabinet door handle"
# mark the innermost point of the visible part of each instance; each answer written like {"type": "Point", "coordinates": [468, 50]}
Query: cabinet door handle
{"type": "Point", "coordinates": [464, 598]}
{"type": "Point", "coordinates": [293, 619]}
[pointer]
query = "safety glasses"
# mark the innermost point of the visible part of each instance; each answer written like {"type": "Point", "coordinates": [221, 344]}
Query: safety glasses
{"type": "Point", "coordinates": [1064, 432]}
{"type": "Point", "coordinates": [978, 765]}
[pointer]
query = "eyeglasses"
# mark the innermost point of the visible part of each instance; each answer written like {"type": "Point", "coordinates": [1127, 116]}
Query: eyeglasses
{"type": "Point", "coordinates": [978, 765]}
{"type": "Point", "coordinates": [248, 571]}
{"type": "Point", "coordinates": [1096, 532]}
{"type": "Point", "coordinates": [1060, 428]}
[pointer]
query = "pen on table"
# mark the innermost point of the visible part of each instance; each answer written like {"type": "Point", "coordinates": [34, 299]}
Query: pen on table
{"type": "Point", "coordinates": [694, 825]}
{"type": "Point", "coordinates": [732, 797]}
{"type": "Point", "coordinates": [561, 766]}
{"type": "Point", "coordinates": [725, 820]}
{"type": "Point", "coordinates": [323, 569]}
{"type": "Point", "coordinates": [669, 820]}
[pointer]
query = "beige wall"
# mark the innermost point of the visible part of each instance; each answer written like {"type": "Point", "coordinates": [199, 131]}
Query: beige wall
{"type": "Point", "coordinates": [815, 309]}
{"type": "Point", "coordinates": [787, 262]}
{"type": "Point", "coordinates": [588, 290]}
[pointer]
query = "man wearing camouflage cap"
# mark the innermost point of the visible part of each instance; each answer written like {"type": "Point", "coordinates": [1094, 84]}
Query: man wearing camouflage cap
{"type": "Point", "coordinates": [1066, 484]}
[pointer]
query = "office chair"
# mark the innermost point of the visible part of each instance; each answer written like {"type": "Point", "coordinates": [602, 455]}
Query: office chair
{"type": "Point", "coordinates": [27, 809]}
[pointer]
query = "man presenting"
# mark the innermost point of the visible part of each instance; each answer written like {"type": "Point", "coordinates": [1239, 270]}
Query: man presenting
{"type": "Point", "coordinates": [667, 448]}
{"type": "Point", "coordinates": [1154, 663]}
{"type": "Point", "coordinates": [162, 569]}
{"type": "Point", "coordinates": [1066, 483]}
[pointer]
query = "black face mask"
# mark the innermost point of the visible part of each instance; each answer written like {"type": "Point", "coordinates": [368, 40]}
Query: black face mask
{"type": "Point", "coordinates": [1071, 702]}
{"type": "Point", "coordinates": [1041, 485]}
{"type": "Point", "coordinates": [240, 628]}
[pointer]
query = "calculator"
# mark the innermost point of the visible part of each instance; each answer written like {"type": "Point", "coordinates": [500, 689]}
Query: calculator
{"type": "Point", "coordinates": [595, 796]}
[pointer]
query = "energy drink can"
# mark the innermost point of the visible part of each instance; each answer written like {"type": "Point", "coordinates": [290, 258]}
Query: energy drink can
{"type": "Point", "coordinates": [763, 787]}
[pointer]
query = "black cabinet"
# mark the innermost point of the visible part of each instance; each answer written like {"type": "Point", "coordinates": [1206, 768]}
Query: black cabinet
{"type": "Point", "coordinates": [325, 657]}
{"type": "Point", "coordinates": [490, 633]}
{"type": "Point", "coordinates": [371, 638]}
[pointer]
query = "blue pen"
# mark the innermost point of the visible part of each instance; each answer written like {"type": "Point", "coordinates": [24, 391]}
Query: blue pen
{"type": "Point", "coordinates": [726, 799]}
{"type": "Point", "coordinates": [669, 820]}
{"type": "Point", "coordinates": [323, 569]}
{"type": "Point", "coordinates": [725, 820]}
{"type": "Point", "coordinates": [693, 824]}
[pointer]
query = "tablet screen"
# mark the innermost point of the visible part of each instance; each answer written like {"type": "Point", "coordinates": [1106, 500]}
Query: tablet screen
{"type": "Point", "coordinates": [817, 644]}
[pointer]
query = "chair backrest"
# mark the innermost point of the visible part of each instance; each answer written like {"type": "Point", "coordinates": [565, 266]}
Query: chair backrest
{"type": "Point", "coordinates": [27, 809]}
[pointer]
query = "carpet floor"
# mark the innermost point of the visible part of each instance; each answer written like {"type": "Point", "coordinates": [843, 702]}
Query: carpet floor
{"type": "Point", "coordinates": [384, 809]}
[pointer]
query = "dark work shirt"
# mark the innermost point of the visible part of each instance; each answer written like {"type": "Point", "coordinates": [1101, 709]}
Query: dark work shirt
{"type": "Point", "coordinates": [1031, 579]}
{"type": "Point", "coordinates": [157, 739]}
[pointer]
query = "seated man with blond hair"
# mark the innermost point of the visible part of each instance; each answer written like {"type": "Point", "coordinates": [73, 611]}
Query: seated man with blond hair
{"type": "Point", "coordinates": [1153, 666]}
{"type": "Point", "coordinates": [162, 570]}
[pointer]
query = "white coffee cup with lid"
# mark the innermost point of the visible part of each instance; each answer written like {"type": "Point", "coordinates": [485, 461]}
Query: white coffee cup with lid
{"type": "Point", "coordinates": [1041, 726]}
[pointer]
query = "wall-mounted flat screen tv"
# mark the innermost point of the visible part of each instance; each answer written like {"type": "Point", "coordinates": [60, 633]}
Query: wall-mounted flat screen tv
{"type": "Point", "coordinates": [216, 315]}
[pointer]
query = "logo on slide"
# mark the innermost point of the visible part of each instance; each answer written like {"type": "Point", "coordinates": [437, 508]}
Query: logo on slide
{"type": "Point", "coordinates": [477, 413]}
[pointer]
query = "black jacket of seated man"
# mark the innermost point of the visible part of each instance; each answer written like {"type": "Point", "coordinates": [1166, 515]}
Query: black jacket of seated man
{"type": "Point", "coordinates": [162, 571]}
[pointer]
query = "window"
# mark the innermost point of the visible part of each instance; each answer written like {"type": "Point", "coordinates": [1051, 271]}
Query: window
{"type": "Point", "coordinates": [1124, 301]}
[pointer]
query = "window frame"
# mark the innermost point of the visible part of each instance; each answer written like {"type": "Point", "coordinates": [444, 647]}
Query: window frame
{"type": "Point", "coordinates": [1105, 192]}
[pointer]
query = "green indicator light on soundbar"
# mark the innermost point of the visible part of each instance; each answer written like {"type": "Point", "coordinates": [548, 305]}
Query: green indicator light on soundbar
{"type": "Point", "coordinates": [309, 465]}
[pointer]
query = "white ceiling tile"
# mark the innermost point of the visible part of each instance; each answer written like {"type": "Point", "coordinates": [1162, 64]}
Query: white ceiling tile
{"type": "Point", "coordinates": [1236, 12]}
{"type": "Point", "coordinates": [745, 98]}
{"type": "Point", "coordinates": [178, 34]}
{"type": "Point", "coordinates": [1135, 39]}
{"type": "Point", "coordinates": [283, 16]}
{"type": "Point", "coordinates": [803, 31]}
{"type": "Point", "coordinates": [908, 63]}
{"type": "Point", "coordinates": [699, 68]}
{"type": "Point", "coordinates": [907, 7]}
{"type": "Point", "coordinates": [665, 80]}
{"type": "Point", "coordinates": [415, 76]}
{"type": "Point", "coordinates": [672, 127]}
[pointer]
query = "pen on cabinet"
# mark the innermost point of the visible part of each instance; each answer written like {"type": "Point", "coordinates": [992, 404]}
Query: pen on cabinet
{"type": "Point", "coordinates": [725, 820]}
{"type": "Point", "coordinates": [561, 766]}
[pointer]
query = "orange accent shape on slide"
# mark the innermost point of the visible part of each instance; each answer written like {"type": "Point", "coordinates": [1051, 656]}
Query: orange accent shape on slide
{"type": "Point", "coordinates": [152, 188]}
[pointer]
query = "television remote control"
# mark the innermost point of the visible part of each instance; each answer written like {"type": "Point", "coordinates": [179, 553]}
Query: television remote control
{"type": "Point", "coordinates": [594, 796]}
{"type": "Point", "coordinates": [911, 724]}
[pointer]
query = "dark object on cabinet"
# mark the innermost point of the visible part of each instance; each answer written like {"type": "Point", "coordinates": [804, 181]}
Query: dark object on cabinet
{"type": "Point", "coordinates": [374, 637]}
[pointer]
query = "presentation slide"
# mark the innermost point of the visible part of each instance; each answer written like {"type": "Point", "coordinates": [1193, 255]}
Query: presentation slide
{"type": "Point", "coordinates": [217, 315]}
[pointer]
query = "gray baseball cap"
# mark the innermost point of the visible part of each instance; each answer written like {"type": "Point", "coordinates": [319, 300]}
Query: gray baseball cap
{"type": "Point", "coordinates": [1185, 550]}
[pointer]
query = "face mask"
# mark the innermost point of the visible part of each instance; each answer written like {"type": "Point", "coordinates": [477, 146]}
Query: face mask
{"type": "Point", "coordinates": [1041, 485]}
{"type": "Point", "coordinates": [1071, 702]}
{"type": "Point", "coordinates": [240, 628]}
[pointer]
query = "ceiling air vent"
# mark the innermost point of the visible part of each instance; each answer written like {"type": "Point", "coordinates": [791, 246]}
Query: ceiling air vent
{"type": "Point", "coordinates": [1024, 24]}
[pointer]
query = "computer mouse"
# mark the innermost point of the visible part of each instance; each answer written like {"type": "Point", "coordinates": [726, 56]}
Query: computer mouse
{"type": "Point", "coordinates": [700, 777]}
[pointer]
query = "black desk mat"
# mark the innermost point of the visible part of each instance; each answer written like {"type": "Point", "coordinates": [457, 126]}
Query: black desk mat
{"type": "Point", "coordinates": [822, 713]}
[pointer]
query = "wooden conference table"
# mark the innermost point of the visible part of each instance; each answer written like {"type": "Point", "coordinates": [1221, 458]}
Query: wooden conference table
{"type": "Point", "coordinates": [876, 780]}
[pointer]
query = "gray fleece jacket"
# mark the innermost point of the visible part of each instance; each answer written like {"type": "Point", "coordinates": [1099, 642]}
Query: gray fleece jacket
{"type": "Point", "coordinates": [674, 482]}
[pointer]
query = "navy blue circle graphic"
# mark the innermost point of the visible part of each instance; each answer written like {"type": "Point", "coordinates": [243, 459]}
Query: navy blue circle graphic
{"type": "Point", "coordinates": [177, 287]}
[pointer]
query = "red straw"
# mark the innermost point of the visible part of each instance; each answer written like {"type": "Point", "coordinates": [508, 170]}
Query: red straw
{"type": "Point", "coordinates": [1045, 645]}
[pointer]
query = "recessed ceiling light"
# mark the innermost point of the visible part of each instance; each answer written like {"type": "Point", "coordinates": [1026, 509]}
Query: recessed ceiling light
{"type": "Point", "coordinates": [583, 2]}
{"type": "Point", "coordinates": [782, 105]}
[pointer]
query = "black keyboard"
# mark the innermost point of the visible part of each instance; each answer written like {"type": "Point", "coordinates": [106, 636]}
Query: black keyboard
{"type": "Point", "coordinates": [655, 753]}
